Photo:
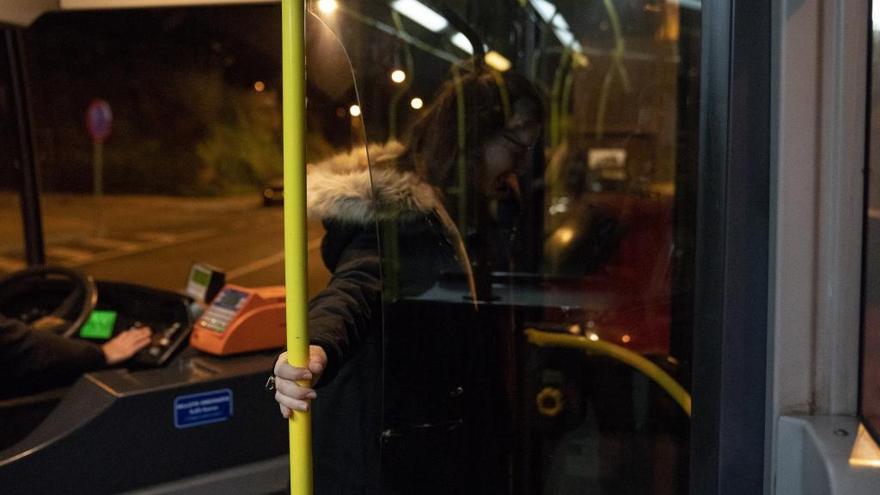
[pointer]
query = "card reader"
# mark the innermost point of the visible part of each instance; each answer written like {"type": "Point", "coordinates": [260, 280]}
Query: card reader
{"type": "Point", "coordinates": [241, 320]}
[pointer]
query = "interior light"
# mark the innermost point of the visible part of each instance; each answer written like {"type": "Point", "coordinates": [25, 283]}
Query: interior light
{"type": "Point", "coordinates": [592, 336]}
{"type": "Point", "coordinates": [259, 86]}
{"type": "Point", "coordinates": [626, 339]}
{"type": "Point", "coordinates": [354, 110]}
{"type": "Point", "coordinates": [327, 6]}
{"type": "Point", "coordinates": [497, 61]}
{"type": "Point", "coordinates": [463, 43]}
{"type": "Point", "coordinates": [421, 14]}
{"type": "Point", "coordinates": [565, 36]}
{"type": "Point", "coordinates": [416, 103]}
{"type": "Point", "coordinates": [549, 14]}
{"type": "Point", "coordinates": [398, 76]}
{"type": "Point", "coordinates": [544, 8]}
{"type": "Point", "coordinates": [559, 22]}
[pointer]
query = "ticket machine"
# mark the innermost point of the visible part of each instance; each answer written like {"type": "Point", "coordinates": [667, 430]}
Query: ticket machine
{"type": "Point", "coordinates": [241, 320]}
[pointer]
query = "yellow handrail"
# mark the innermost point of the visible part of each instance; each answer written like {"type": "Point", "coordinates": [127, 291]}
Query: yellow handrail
{"type": "Point", "coordinates": [622, 354]}
{"type": "Point", "coordinates": [295, 234]}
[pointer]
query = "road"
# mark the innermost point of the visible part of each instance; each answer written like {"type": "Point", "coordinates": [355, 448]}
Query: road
{"type": "Point", "coordinates": [154, 240]}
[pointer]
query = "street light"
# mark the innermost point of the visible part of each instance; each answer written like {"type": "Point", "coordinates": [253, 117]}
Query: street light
{"type": "Point", "coordinates": [398, 76]}
{"type": "Point", "coordinates": [416, 103]}
{"type": "Point", "coordinates": [354, 110]}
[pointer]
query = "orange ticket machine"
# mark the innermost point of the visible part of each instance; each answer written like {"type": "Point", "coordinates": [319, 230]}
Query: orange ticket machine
{"type": "Point", "coordinates": [241, 320]}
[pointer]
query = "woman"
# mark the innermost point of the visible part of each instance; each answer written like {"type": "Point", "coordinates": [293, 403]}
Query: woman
{"type": "Point", "coordinates": [401, 188]}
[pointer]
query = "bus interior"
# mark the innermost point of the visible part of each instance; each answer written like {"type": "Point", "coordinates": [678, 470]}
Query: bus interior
{"type": "Point", "coordinates": [141, 151]}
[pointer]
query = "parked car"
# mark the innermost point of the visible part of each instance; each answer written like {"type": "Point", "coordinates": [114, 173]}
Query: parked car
{"type": "Point", "coordinates": [273, 192]}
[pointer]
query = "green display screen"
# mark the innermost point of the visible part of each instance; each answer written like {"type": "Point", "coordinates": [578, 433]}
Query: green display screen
{"type": "Point", "coordinates": [200, 277]}
{"type": "Point", "coordinates": [99, 326]}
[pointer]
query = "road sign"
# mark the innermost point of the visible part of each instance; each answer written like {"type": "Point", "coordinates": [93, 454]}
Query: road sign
{"type": "Point", "coordinates": [99, 119]}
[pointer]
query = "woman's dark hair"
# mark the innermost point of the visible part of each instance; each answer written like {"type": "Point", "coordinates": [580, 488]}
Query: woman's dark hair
{"type": "Point", "coordinates": [488, 100]}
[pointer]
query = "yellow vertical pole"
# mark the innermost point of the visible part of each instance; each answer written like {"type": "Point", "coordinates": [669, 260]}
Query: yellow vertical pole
{"type": "Point", "coordinates": [295, 239]}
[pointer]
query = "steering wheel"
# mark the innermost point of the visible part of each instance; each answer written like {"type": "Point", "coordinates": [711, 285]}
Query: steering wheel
{"type": "Point", "coordinates": [22, 296]}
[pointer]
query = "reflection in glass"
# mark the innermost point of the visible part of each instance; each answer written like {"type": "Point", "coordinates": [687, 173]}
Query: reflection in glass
{"type": "Point", "coordinates": [580, 227]}
{"type": "Point", "coordinates": [545, 190]}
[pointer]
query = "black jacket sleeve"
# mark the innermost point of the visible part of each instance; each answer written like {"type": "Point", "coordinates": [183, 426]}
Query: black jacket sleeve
{"type": "Point", "coordinates": [342, 315]}
{"type": "Point", "coordinates": [32, 360]}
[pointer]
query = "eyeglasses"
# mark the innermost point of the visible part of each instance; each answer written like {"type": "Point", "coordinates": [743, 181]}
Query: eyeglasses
{"type": "Point", "coordinates": [512, 138]}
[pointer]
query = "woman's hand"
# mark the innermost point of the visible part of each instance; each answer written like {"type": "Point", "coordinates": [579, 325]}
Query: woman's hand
{"type": "Point", "coordinates": [288, 393]}
{"type": "Point", "coordinates": [126, 344]}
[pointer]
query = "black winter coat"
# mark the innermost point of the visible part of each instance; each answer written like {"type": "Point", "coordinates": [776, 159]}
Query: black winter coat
{"type": "Point", "coordinates": [345, 318]}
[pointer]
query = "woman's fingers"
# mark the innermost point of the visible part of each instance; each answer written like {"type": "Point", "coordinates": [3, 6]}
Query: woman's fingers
{"type": "Point", "coordinates": [291, 403]}
{"type": "Point", "coordinates": [288, 372]}
{"type": "Point", "coordinates": [282, 358]}
{"type": "Point", "coordinates": [283, 369]}
{"type": "Point", "coordinates": [317, 364]}
{"type": "Point", "coordinates": [291, 389]}
{"type": "Point", "coordinates": [289, 395]}
{"type": "Point", "coordinates": [317, 359]}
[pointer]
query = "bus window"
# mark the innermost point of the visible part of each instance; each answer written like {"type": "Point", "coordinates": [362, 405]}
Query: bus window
{"type": "Point", "coordinates": [534, 163]}
{"type": "Point", "coordinates": [158, 142]}
{"type": "Point", "coordinates": [12, 256]}
{"type": "Point", "coordinates": [531, 188]}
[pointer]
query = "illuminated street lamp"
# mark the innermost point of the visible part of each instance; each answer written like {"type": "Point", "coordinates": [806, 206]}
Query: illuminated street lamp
{"type": "Point", "coordinates": [354, 110]}
{"type": "Point", "coordinates": [259, 86]}
{"type": "Point", "coordinates": [416, 103]}
{"type": "Point", "coordinates": [398, 76]}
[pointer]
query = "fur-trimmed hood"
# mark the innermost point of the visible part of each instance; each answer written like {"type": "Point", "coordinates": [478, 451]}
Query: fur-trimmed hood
{"type": "Point", "coordinates": [346, 188]}
{"type": "Point", "coordinates": [366, 185]}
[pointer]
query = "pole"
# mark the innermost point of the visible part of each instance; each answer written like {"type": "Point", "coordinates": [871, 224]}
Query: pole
{"type": "Point", "coordinates": [98, 168]}
{"type": "Point", "coordinates": [32, 221]}
{"type": "Point", "coordinates": [295, 252]}
{"type": "Point", "coordinates": [98, 178]}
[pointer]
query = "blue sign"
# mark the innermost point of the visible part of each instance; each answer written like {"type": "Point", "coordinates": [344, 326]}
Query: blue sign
{"type": "Point", "coordinates": [99, 119]}
{"type": "Point", "coordinates": [202, 408]}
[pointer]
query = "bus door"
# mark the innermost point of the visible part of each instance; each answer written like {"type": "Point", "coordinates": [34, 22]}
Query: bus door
{"type": "Point", "coordinates": [536, 315]}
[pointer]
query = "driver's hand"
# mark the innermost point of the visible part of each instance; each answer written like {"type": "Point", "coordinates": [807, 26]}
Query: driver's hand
{"type": "Point", "coordinates": [48, 323]}
{"type": "Point", "coordinates": [126, 344]}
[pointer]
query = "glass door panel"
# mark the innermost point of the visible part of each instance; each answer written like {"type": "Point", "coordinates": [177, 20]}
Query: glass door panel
{"type": "Point", "coordinates": [535, 206]}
